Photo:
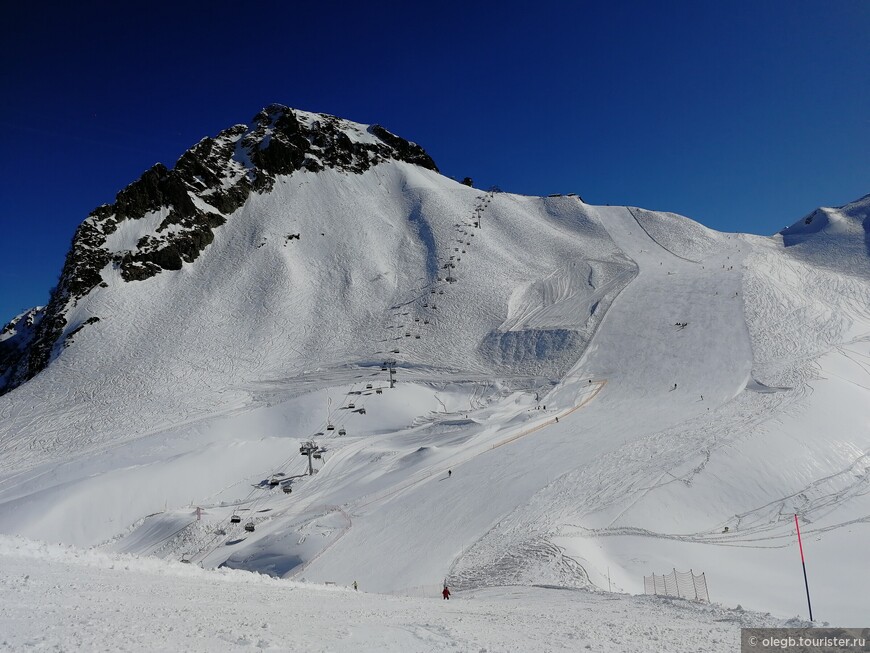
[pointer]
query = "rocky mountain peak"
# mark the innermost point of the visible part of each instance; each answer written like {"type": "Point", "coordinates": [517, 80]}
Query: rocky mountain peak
{"type": "Point", "coordinates": [188, 202]}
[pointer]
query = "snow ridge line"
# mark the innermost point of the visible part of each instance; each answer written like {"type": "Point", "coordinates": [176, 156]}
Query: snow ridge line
{"type": "Point", "coordinates": [650, 236]}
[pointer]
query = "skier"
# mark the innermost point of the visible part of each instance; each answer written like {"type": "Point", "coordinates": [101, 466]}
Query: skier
{"type": "Point", "coordinates": [445, 593]}
{"type": "Point", "coordinates": [355, 586]}
{"type": "Point", "coordinates": [557, 420]}
{"type": "Point", "coordinates": [449, 473]}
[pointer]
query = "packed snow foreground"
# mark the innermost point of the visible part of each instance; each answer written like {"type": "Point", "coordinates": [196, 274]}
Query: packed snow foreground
{"type": "Point", "coordinates": [534, 401]}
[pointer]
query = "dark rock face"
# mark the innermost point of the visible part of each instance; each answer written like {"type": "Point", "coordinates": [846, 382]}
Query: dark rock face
{"type": "Point", "coordinates": [208, 184]}
{"type": "Point", "coordinates": [15, 340]}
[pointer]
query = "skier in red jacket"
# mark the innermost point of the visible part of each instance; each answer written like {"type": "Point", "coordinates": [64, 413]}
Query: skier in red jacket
{"type": "Point", "coordinates": [445, 593]}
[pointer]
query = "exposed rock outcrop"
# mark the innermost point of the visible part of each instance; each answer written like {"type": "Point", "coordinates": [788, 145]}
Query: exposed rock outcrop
{"type": "Point", "coordinates": [208, 183]}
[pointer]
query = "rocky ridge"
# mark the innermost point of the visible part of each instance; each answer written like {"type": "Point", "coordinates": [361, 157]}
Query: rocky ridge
{"type": "Point", "coordinates": [208, 184]}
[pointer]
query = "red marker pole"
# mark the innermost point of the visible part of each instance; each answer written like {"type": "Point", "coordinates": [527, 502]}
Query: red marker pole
{"type": "Point", "coordinates": [804, 564]}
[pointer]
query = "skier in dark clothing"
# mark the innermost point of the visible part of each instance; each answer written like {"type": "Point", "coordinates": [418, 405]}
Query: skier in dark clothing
{"type": "Point", "coordinates": [445, 593]}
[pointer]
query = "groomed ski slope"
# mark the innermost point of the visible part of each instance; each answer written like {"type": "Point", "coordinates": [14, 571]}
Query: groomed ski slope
{"type": "Point", "coordinates": [94, 601]}
{"type": "Point", "coordinates": [755, 409]}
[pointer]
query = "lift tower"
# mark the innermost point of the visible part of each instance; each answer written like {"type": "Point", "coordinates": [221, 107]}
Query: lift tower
{"type": "Point", "coordinates": [308, 449]}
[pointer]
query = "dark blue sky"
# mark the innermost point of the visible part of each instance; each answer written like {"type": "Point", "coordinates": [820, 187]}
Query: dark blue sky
{"type": "Point", "coordinates": [741, 115]}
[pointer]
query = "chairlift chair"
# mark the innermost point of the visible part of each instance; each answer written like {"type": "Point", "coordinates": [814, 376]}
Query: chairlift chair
{"type": "Point", "coordinates": [362, 411]}
{"type": "Point", "coordinates": [235, 519]}
{"type": "Point", "coordinates": [316, 455]}
{"type": "Point", "coordinates": [425, 321]}
{"type": "Point", "coordinates": [368, 386]}
{"type": "Point", "coordinates": [342, 432]}
{"type": "Point", "coordinates": [287, 489]}
{"type": "Point", "coordinates": [185, 558]}
{"type": "Point", "coordinates": [378, 391]}
{"type": "Point", "coordinates": [249, 527]}
{"type": "Point", "coordinates": [351, 405]}
{"type": "Point", "coordinates": [330, 427]}
{"type": "Point", "coordinates": [417, 336]}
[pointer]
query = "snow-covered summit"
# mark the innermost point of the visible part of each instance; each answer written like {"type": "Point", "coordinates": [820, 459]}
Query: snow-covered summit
{"type": "Point", "coordinates": [167, 217]}
{"type": "Point", "coordinates": [837, 238]}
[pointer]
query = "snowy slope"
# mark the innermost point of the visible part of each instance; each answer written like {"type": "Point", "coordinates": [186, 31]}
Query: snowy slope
{"type": "Point", "coordinates": [134, 604]}
{"type": "Point", "coordinates": [594, 395]}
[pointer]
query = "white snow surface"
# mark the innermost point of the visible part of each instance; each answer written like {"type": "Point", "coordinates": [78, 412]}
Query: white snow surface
{"type": "Point", "coordinates": [598, 395]}
{"type": "Point", "coordinates": [94, 601]}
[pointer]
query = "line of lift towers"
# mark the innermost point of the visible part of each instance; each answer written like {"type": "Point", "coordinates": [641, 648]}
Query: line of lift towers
{"type": "Point", "coordinates": [310, 448]}
{"type": "Point", "coordinates": [313, 450]}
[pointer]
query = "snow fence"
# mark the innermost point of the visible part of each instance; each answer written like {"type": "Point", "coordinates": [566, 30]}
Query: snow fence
{"type": "Point", "coordinates": [682, 584]}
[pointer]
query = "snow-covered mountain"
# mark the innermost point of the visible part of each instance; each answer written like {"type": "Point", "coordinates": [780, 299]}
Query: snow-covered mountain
{"type": "Point", "coordinates": [584, 394]}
